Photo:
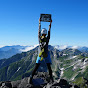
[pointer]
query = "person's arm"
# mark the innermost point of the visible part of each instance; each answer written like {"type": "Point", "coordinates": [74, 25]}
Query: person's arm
{"type": "Point", "coordinates": [39, 31]}
{"type": "Point", "coordinates": [49, 30]}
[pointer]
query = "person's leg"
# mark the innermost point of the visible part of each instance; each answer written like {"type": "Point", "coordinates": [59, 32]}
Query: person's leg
{"type": "Point", "coordinates": [35, 69]}
{"type": "Point", "coordinates": [33, 72]}
{"type": "Point", "coordinates": [50, 71]}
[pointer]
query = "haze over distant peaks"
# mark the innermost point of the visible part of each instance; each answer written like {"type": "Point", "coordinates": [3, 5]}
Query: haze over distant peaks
{"type": "Point", "coordinates": [8, 51]}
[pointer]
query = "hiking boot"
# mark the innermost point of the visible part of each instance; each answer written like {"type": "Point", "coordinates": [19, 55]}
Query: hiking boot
{"type": "Point", "coordinates": [51, 80]}
{"type": "Point", "coordinates": [30, 80]}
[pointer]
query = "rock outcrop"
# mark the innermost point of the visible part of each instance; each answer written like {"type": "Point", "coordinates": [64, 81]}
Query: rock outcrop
{"type": "Point", "coordinates": [40, 80]}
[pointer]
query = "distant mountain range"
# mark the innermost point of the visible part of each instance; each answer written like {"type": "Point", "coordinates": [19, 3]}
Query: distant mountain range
{"type": "Point", "coordinates": [8, 51]}
{"type": "Point", "coordinates": [80, 48]}
{"type": "Point", "coordinates": [69, 63]}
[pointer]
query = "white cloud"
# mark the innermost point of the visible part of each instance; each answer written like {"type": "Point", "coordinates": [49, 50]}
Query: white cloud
{"type": "Point", "coordinates": [74, 47]}
{"type": "Point", "coordinates": [1, 46]}
{"type": "Point", "coordinates": [61, 47]}
{"type": "Point", "coordinates": [28, 48]}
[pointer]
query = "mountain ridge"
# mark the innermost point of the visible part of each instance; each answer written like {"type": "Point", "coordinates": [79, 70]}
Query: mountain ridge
{"type": "Point", "coordinates": [8, 51]}
{"type": "Point", "coordinates": [65, 64]}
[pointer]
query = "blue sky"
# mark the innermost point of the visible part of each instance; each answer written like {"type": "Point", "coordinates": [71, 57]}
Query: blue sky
{"type": "Point", "coordinates": [19, 21]}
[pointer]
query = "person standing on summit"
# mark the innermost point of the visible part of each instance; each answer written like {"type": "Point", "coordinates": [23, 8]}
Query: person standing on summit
{"type": "Point", "coordinates": [43, 53]}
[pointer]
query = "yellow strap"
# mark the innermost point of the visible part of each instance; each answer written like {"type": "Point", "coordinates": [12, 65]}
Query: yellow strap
{"type": "Point", "coordinates": [41, 59]}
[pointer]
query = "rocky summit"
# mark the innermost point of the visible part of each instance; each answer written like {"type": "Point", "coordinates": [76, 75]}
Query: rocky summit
{"type": "Point", "coordinates": [40, 80]}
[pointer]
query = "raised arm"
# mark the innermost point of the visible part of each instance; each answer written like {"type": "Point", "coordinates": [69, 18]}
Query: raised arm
{"type": "Point", "coordinates": [49, 30]}
{"type": "Point", "coordinates": [39, 31]}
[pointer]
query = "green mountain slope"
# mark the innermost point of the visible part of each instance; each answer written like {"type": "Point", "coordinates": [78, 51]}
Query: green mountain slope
{"type": "Point", "coordinates": [21, 65]}
{"type": "Point", "coordinates": [70, 64]}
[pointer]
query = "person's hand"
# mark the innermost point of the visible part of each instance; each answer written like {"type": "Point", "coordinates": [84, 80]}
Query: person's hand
{"type": "Point", "coordinates": [51, 21]}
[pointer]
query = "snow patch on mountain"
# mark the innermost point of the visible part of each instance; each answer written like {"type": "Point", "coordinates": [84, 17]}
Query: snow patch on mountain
{"type": "Point", "coordinates": [62, 72]}
{"type": "Point", "coordinates": [18, 69]}
{"type": "Point", "coordinates": [74, 56]}
{"type": "Point", "coordinates": [84, 64]}
{"type": "Point", "coordinates": [74, 77]}
{"type": "Point", "coordinates": [65, 54]}
{"type": "Point", "coordinates": [81, 64]}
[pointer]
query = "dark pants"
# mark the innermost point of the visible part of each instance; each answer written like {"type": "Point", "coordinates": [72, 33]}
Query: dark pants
{"type": "Point", "coordinates": [36, 67]}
